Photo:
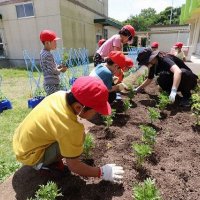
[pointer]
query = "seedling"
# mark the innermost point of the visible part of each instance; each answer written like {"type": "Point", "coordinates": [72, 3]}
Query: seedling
{"type": "Point", "coordinates": [148, 135]}
{"type": "Point", "coordinates": [127, 105]}
{"type": "Point", "coordinates": [163, 101]}
{"type": "Point", "coordinates": [39, 92]}
{"type": "Point", "coordinates": [108, 120]}
{"type": "Point", "coordinates": [142, 151]}
{"type": "Point", "coordinates": [196, 107]}
{"type": "Point", "coordinates": [64, 58]}
{"type": "Point", "coordinates": [153, 114]}
{"type": "Point", "coordinates": [146, 191]}
{"type": "Point", "coordinates": [88, 145]}
{"type": "Point", "coordinates": [132, 92]}
{"type": "Point", "coordinates": [141, 78]}
{"type": "Point", "coordinates": [47, 192]}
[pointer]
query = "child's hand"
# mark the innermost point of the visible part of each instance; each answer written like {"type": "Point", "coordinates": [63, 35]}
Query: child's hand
{"type": "Point", "coordinates": [62, 68]}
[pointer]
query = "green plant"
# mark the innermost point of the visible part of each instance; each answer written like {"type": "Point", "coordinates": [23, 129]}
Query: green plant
{"type": "Point", "coordinates": [7, 168]}
{"type": "Point", "coordinates": [39, 92]}
{"type": "Point", "coordinates": [108, 120]}
{"type": "Point", "coordinates": [163, 101]}
{"type": "Point", "coordinates": [148, 134]}
{"type": "Point", "coordinates": [127, 104]}
{"type": "Point", "coordinates": [2, 96]}
{"type": "Point", "coordinates": [153, 114]}
{"type": "Point", "coordinates": [65, 57]}
{"type": "Point", "coordinates": [196, 107]}
{"type": "Point", "coordinates": [88, 145]}
{"type": "Point", "coordinates": [47, 192]}
{"type": "Point", "coordinates": [141, 78]}
{"type": "Point", "coordinates": [131, 92]}
{"type": "Point", "coordinates": [146, 191]}
{"type": "Point", "coordinates": [142, 151]}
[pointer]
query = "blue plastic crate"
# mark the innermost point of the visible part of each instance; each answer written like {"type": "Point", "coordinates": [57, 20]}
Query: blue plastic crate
{"type": "Point", "coordinates": [35, 101]}
{"type": "Point", "coordinates": [5, 105]}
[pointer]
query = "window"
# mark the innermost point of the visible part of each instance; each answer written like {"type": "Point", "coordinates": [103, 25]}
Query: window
{"type": "Point", "coordinates": [105, 34]}
{"type": "Point", "coordinates": [98, 37]}
{"type": "Point", "coordinates": [24, 10]}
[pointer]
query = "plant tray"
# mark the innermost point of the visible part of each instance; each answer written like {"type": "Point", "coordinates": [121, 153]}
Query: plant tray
{"type": "Point", "coordinates": [5, 105]}
{"type": "Point", "coordinates": [35, 101]}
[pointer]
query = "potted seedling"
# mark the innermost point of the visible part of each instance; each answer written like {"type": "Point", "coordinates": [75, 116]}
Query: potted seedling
{"type": "Point", "coordinates": [38, 96]}
{"type": "Point", "coordinates": [148, 135]}
{"type": "Point", "coordinates": [142, 151]}
{"type": "Point", "coordinates": [196, 107]}
{"type": "Point", "coordinates": [4, 102]}
{"type": "Point", "coordinates": [153, 114]}
{"type": "Point", "coordinates": [127, 105]}
{"type": "Point", "coordinates": [87, 148]}
{"type": "Point", "coordinates": [108, 120]}
{"type": "Point", "coordinates": [49, 191]}
{"type": "Point", "coordinates": [146, 191]}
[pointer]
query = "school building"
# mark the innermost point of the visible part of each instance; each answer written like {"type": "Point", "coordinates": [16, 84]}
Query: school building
{"type": "Point", "coordinates": [79, 23]}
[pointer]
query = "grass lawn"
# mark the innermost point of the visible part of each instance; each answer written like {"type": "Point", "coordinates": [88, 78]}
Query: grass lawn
{"type": "Point", "coordinates": [15, 87]}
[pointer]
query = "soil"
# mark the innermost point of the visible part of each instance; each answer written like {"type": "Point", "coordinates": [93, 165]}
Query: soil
{"type": "Point", "coordinates": [174, 164]}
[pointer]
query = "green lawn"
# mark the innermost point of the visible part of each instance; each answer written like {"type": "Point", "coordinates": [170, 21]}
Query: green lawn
{"type": "Point", "coordinates": [15, 87]}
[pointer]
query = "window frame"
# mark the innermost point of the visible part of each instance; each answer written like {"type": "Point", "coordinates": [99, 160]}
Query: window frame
{"type": "Point", "coordinates": [23, 4]}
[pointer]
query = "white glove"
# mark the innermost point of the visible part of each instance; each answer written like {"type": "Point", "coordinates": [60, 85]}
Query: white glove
{"type": "Point", "coordinates": [123, 87]}
{"type": "Point", "coordinates": [172, 95]}
{"type": "Point", "coordinates": [111, 172]}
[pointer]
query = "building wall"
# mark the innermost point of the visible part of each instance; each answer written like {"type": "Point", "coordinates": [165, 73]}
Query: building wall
{"type": "Point", "coordinates": [167, 36]}
{"type": "Point", "coordinates": [77, 23]}
{"type": "Point", "coordinates": [23, 33]}
{"type": "Point", "coordinates": [72, 20]}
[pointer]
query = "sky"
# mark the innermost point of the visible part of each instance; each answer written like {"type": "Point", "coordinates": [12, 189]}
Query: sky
{"type": "Point", "coordinates": [122, 9]}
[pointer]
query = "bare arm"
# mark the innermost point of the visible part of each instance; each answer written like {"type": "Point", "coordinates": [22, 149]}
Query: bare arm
{"type": "Point", "coordinates": [145, 83]}
{"type": "Point", "coordinates": [80, 168]}
{"type": "Point", "coordinates": [177, 76]}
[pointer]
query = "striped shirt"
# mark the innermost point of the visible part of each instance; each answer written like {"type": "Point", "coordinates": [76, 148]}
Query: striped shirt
{"type": "Point", "coordinates": [49, 68]}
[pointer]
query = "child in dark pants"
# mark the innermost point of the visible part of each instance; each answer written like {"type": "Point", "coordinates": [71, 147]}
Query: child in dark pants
{"type": "Point", "coordinates": [173, 74]}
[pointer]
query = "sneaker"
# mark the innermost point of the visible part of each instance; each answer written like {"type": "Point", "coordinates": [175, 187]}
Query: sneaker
{"type": "Point", "coordinates": [185, 102]}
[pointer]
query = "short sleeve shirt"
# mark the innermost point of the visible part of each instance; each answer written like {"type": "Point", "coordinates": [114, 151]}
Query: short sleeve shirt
{"type": "Point", "coordinates": [108, 45]}
{"type": "Point", "coordinates": [50, 121]}
{"type": "Point", "coordinates": [165, 64]}
{"type": "Point", "coordinates": [102, 72]}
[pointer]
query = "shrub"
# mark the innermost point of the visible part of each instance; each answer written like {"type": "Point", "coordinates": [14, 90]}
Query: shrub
{"type": "Point", "coordinates": [88, 145]}
{"type": "Point", "coordinates": [153, 114]}
{"type": "Point", "coordinates": [146, 191]}
{"type": "Point", "coordinates": [47, 192]}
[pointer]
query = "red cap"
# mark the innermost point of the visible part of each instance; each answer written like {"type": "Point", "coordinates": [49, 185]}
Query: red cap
{"type": "Point", "coordinates": [178, 45]}
{"type": "Point", "coordinates": [154, 45]}
{"type": "Point", "coordinates": [101, 42]}
{"type": "Point", "coordinates": [118, 57]}
{"type": "Point", "coordinates": [130, 29]}
{"type": "Point", "coordinates": [48, 35]}
{"type": "Point", "coordinates": [91, 92]}
{"type": "Point", "coordinates": [129, 62]}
